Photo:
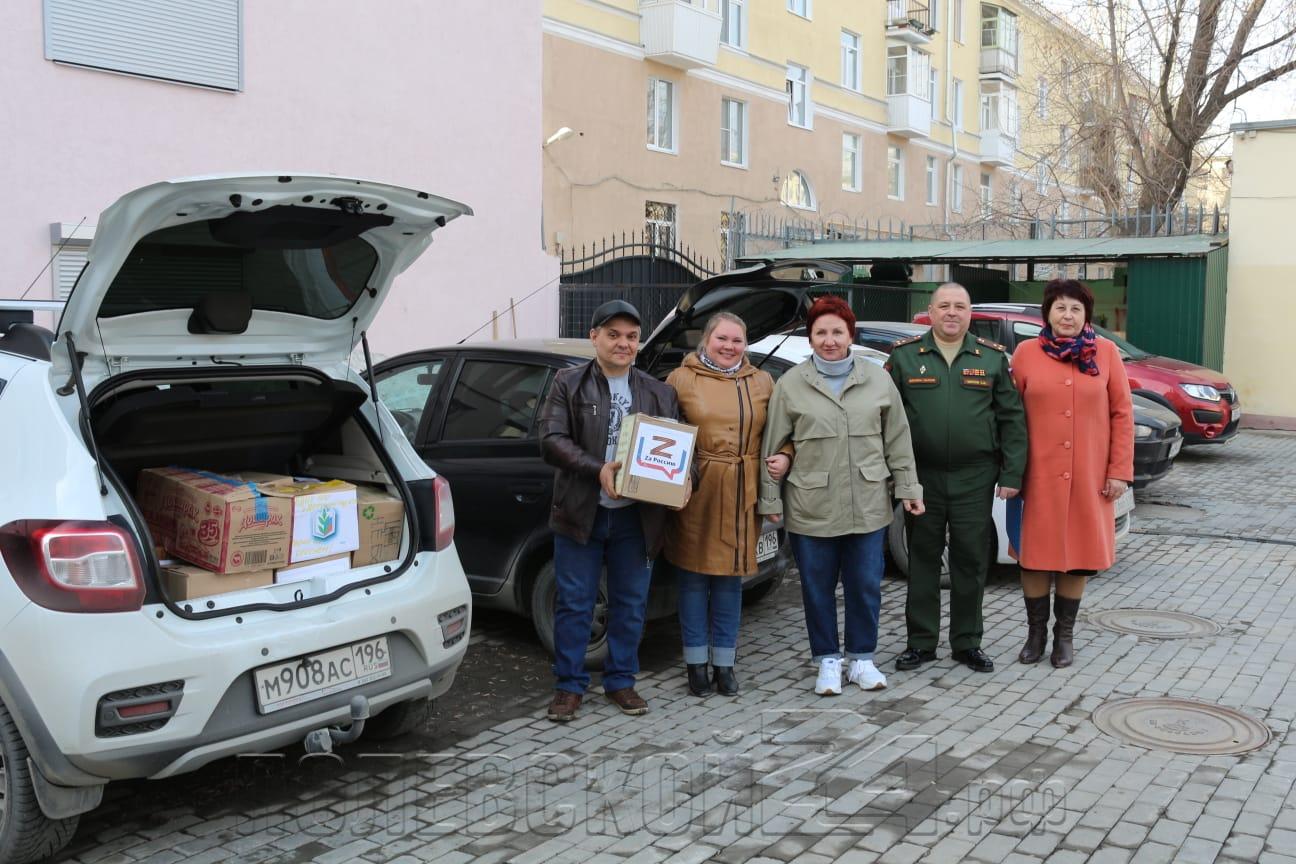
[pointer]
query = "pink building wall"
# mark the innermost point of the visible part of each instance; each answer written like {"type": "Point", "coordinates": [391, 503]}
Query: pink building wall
{"type": "Point", "coordinates": [443, 97]}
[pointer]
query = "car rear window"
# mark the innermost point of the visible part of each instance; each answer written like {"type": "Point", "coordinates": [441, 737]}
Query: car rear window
{"type": "Point", "coordinates": [302, 262]}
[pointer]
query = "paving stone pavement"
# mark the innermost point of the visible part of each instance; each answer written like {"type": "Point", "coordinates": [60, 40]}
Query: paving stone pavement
{"type": "Point", "coordinates": [944, 765]}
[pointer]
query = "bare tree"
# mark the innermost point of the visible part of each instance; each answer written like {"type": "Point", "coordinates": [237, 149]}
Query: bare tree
{"type": "Point", "coordinates": [1175, 66]}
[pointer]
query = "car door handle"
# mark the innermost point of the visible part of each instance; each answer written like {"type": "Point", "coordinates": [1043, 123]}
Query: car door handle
{"type": "Point", "coordinates": [526, 493]}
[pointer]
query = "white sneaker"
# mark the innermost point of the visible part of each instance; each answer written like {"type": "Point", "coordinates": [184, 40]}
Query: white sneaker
{"type": "Point", "coordinates": [866, 675]}
{"type": "Point", "coordinates": [829, 682]}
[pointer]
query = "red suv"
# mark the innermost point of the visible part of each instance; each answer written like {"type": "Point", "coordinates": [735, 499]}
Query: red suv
{"type": "Point", "coordinates": [1203, 398]}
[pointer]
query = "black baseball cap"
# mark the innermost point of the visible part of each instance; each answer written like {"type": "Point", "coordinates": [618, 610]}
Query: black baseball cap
{"type": "Point", "coordinates": [614, 309]}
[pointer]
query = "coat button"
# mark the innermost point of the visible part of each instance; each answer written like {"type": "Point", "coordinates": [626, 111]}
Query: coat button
{"type": "Point", "coordinates": [1066, 475]}
{"type": "Point", "coordinates": [1068, 412]}
{"type": "Point", "coordinates": [1067, 382]}
{"type": "Point", "coordinates": [1066, 444]}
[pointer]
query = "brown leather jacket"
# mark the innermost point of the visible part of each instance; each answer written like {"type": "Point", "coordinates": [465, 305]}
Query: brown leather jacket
{"type": "Point", "coordinates": [573, 437]}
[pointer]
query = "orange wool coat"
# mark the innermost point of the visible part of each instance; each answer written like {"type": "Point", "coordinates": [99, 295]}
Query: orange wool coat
{"type": "Point", "coordinates": [1080, 431]}
{"type": "Point", "coordinates": [716, 532]}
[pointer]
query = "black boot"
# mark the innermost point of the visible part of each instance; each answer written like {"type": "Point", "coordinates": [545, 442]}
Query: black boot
{"type": "Point", "coordinates": [1064, 613]}
{"type": "Point", "coordinates": [1037, 618]}
{"type": "Point", "coordinates": [725, 682]}
{"type": "Point", "coordinates": [699, 684]}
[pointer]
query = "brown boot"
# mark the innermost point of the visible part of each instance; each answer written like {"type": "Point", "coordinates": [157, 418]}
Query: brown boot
{"type": "Point", "coordinates": [1064, 611]}
{"type": "Point", "coordinates": [1037, 618]}
{"type": "Point", "coordinates": [563, 707]}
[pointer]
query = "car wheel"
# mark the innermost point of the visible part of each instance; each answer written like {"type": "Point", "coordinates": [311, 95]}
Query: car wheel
{"type": "Point", "coordinates": [754, 595]}
{"type": "Point", "coordinates": [26, 834]}
{"type": "Point", "coordinates": [399, 719]}
{"type": "Point", "coordinates": [543, 596]}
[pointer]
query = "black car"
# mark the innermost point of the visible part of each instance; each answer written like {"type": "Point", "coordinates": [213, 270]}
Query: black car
{"type": "Point", "coordinates": [472, 412]}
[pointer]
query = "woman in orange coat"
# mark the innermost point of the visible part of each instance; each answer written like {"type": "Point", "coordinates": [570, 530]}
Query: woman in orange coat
{"type": "Point", "coordinates": [1080, 459]}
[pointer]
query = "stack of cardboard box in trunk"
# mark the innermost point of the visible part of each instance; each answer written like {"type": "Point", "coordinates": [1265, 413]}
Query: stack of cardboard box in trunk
{"type": "Point", "coordinates": [235, 532]}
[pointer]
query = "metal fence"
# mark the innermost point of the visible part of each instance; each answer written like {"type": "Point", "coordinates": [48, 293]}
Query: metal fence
{"type": "Point", "coordinates": [638, 268]}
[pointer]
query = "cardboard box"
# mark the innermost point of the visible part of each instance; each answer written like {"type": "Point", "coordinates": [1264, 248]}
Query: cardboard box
{"type": "Point", "coordinates": [226, 525]}
{"type": "Point", "coordinates": [323, 516]}
{"type": "Point", "coordinates": [382, 526]}
{"type": "Point", "coordinates": [155, 494]}
{"type": "Point", "coordinates": [187, 582]}
{"type": "Point", "coordinates": [656, 455]}
{"type": "Point", "coordinates": [308, 570]}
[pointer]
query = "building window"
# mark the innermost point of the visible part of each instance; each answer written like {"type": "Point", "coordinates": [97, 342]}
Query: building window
{"type": "Point", "coordinates": [850, 60]}
{"type": "Point", "coordinates": [659, 223]}
{"type": "Point", "coordinates": [987, 196]}
{"type": "Point", "coordinates": [796, 192]}
{"type": "Point", "coordinates": [895, 173]}
{"type": "Point", "coordinates": [999, 30]}
{"type": "Point", "coordinates": [999, 108]}
{"type": "Point", "coordinates": [798, 90]}
{"type": "Point", "coordinates": [956, 104]}
{"type": "Point", "coordinates": [850, 162]}
{"type": "Point", "coordinates": [958, 21]}
{"type": "Point", "coordinates": [1064, 146]}
{"type": "Point", "coordinates": [196, 42]}
{"type": "Point", "coordinates": [932, 174]}
{"type": "Point", "coordinates": [934, 21]}
{"type": "Point", "coordinates": [1041, 177]}
{"type": "Point", "coordinates": [1064, 210]}
{"type": "Point", "coordinates": [733, 26]}
{"type": "Point", "coordinates": [935, 99]}
{"type": "Point", "coordinates": [661, 115]}
{"type": "Point", "coordinates": [956, 189]}
{"type": "Point", "coordinates": [908, 72]}
{"type": "Point", "coordinates": [733, 132]}
{"type": "Point", "coordinates": [1041, 99]}
{"type": "Point", "coordinates": [799, 7]}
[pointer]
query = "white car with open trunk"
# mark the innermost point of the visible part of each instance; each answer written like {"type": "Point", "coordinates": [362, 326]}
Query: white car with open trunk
{"type": "Point", "coordinates": [211, 328]}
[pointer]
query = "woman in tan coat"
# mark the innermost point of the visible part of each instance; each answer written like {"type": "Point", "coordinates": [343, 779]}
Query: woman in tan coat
{"type": "Point", "coordinates": [712, 540]}
{"type": "Point", "coordinates": [1080, 459]}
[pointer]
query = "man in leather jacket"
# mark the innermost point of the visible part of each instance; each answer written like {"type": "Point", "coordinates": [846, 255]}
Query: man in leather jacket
{"type": "Point", "coordinates": [592, 525]}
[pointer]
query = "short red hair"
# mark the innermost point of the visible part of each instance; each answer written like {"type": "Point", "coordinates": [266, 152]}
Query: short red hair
{"type": "Point", "coordinates": [830, 304]}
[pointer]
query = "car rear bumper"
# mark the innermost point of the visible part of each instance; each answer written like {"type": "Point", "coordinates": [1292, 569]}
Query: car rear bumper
{"type": "Point", "coordinates": [217, 713]}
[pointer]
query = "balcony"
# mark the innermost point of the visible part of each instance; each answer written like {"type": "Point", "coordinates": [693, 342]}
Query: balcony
{"type": "Point", "coordinates": [909, 116]}
{"type": "Point", "coordinates": [998, 62]}
{"type": "Point", "coordinates": [997, 148]}
{"type": "Point", "coordinates": [908, 22]}
{"type": "Point", "coordinates": [680, 33]}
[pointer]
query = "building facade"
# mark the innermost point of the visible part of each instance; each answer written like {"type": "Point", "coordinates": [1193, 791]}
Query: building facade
{"type": "Point", "coordinates": [99, 99]}
{"type": "Point", "coordinates": [691, 114]}
{"type": "Point", "coordinates": [1261, 269]}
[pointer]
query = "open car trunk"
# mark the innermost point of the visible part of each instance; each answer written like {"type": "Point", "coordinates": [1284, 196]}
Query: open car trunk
{"type": "Point", "coordinates": [291, 421]}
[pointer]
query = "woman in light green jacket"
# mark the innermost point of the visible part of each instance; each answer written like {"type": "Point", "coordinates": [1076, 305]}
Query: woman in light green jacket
{"type": "Point", "coordinates": [845, 419]}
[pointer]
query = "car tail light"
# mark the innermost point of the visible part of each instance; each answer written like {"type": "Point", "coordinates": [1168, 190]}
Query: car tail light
{"type": "Point", "coordinates": [445, 518]}
{"type": "Point", "coordinates": [74, 566]}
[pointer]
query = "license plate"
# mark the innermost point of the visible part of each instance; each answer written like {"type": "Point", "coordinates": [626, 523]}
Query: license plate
{"type": "Point", "coordinates": [1237, 412]}
{"type": "Point", "coordinates": [1176, 447]}
{"type": "Point", "coordinates": [767, 546]}
{"type": "Point", "coordinates": [318, 675]}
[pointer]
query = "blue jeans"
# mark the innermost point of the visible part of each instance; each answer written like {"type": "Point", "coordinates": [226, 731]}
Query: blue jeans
{"type": "Point", "coordinates": [709, 610]}
{"type": "Point", "coordinates": [857, 560]}
{"type": "Point", "coordinates": [617, 541]}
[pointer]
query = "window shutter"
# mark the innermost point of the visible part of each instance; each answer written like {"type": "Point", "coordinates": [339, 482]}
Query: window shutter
{"type": "Point", "coordinates": [189, 41]}
{"type": "Point", "coordinates": [67, 267]}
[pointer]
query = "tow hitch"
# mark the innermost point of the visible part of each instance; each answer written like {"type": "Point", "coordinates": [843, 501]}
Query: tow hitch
{"type": "Point", "coordinates": [322, 740]}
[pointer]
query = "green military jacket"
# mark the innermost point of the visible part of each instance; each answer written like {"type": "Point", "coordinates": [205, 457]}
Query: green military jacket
{"type": "Point", "coordinates": [969, 413]}
{"type": "Point", "coordinates": [850, 449]}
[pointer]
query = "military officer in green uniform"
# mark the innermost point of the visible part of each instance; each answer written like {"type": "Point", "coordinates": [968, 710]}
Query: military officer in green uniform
{"type": "Point", "coordinates": [969, 434]}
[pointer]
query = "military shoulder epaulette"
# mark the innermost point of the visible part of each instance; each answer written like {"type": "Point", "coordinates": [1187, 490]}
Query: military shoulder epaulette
{"type": "Point", "coordinates": [908, 341]}
{"type": "Point", "coordinates": [989, 344]}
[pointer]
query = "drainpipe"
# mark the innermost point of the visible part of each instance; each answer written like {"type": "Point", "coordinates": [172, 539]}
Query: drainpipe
{"type": "Point", "coordinates": [949, 97]}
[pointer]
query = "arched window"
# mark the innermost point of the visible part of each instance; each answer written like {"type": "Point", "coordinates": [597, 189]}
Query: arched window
{"type": "Point", "coordinates": [797, 192]}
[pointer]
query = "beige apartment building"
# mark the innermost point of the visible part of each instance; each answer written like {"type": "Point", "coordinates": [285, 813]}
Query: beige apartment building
{"type": "Point", "coordinates": [833, 112]}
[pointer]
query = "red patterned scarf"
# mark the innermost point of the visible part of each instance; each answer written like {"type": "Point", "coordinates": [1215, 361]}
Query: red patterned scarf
{"type": "Point", "coordinates": [1082, 349]}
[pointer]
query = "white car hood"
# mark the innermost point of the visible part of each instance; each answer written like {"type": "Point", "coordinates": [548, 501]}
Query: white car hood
{"type": "Point", "coordinates": [162, 336]}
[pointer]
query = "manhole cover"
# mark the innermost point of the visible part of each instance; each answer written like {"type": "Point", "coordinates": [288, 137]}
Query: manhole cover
{"type": "Point", "coordinates": [1155, 623]}
{"type": "Point", "coordinates": [1181, 726]}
